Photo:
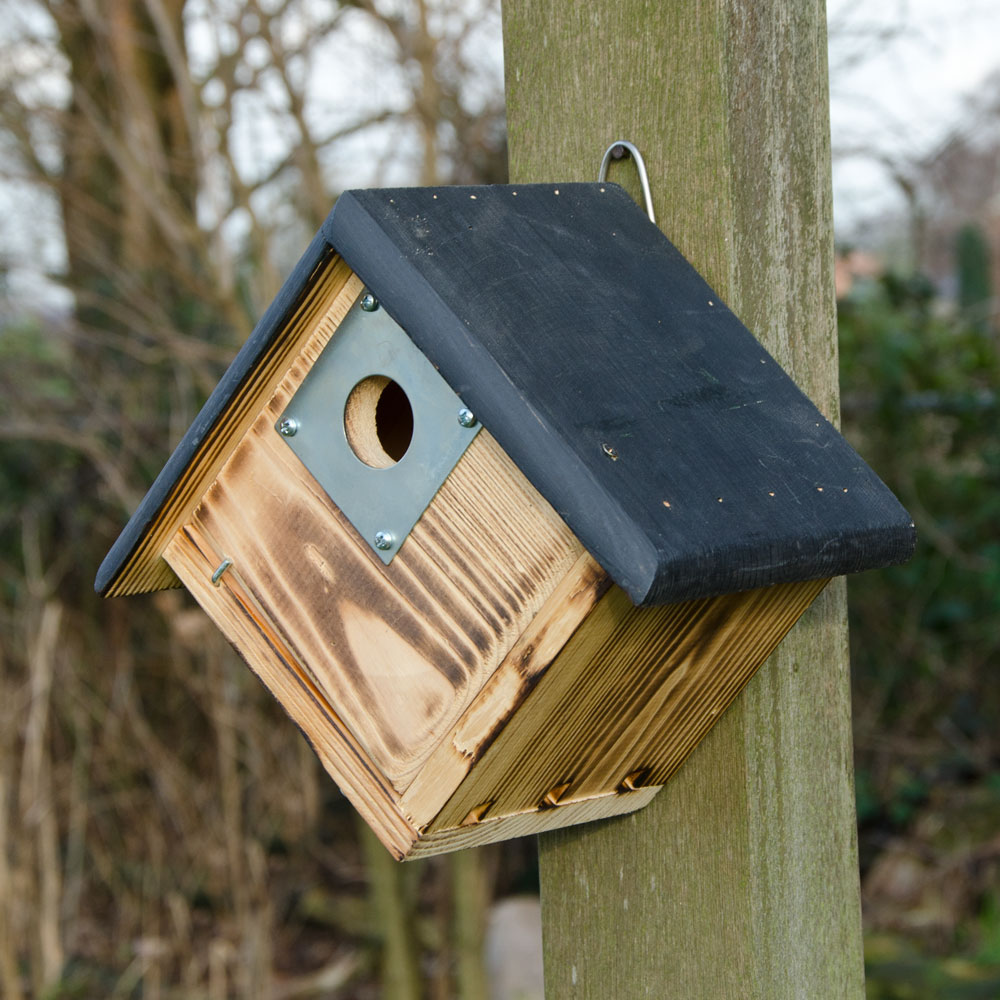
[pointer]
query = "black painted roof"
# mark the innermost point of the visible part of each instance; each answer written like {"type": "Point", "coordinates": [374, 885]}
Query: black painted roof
{"type": "Point", "coordinates": [673, 445]}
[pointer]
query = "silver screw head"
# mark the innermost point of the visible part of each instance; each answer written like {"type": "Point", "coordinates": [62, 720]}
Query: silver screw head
{"type": "Point", "coordinates": [384, 540]}
{"type": "Point", "coordinates": [369, 303]}
{"type": "Point", "coordinates": [466, 417]}
{"type": "Point", "coordinates": [288, 427]}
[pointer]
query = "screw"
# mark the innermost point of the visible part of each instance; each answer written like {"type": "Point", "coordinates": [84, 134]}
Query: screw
{"type": "Point", "coordinates": [369, 303]}
{"type": "Point", "coordinates": [288, 427]}
{"type": "Point", "coordinates": [384, 540]}
{"type": "Point", "coordinates": [466, 417]}
{"type": "Point", "coordinates": [619, 152]}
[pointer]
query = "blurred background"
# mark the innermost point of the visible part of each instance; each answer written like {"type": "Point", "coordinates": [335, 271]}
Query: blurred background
{"type": "Point", "coordinates": [164, 831]}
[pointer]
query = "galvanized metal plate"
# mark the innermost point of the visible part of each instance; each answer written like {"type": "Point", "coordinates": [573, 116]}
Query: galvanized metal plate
{"type": "Point", "coordinates": [383, 504]}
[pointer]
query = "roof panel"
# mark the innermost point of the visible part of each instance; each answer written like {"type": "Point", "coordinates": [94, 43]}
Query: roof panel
{"type": "Point", "coordinates": [637, 403]}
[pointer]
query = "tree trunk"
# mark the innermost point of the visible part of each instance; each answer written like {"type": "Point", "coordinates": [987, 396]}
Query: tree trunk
{"type": "Point", "coordinates": [124, 127]}
{"type": "Point", "coordinates": [740, 880]}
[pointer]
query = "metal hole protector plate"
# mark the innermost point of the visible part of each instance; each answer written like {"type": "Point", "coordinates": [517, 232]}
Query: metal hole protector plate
{"type": "Point", "coordinates": [382, 504]}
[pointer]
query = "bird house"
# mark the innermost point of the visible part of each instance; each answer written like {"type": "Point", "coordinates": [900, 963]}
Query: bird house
{"type": "Point", "coordinates": [505, 506]}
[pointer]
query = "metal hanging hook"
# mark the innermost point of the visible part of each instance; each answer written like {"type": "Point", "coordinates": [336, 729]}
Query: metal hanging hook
{"type": "Point", "coordinates": [617, 151]}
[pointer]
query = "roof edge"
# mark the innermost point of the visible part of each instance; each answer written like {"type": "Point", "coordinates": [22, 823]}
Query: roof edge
{"type": "Point", "coordinates": [881, 546]}
{"type": "Point", "coordinates": [119, 559]}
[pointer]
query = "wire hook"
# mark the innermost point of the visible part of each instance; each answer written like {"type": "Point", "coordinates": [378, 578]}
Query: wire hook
{"type": "Point", "coordinates": [617, 151]}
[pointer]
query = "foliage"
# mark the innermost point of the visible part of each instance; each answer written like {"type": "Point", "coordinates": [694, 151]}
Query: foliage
{"type": "Point", "coordinates": [920, 400]}
{"type": "Point", "coordinates": [921, 394]}
{"type": "Point", "coordinates": [897, 971]}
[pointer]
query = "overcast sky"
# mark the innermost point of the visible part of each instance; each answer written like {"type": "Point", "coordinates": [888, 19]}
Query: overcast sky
{"type": "Point", "coordinates": [900, 71]}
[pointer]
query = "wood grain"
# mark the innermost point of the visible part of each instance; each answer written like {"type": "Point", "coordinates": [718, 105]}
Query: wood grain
{"type": "Point", "coordinates": [400, 650]}
{"type": "Point", "coordinates": [740, 879]}
{"type": "Point", "coordinates": [629, 697]}
{"type": "Point", "coordinates": [333, 289]}
{"type": "Point", "coordinates": [259, 641]}
{"type": "Point", "coordinates": [501, 696]}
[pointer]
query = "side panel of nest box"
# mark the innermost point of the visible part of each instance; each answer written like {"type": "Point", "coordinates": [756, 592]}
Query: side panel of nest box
{"type": "Point", "coordinates": [620, 708]}
{"type": "Point", "coordinates": [375, 663]}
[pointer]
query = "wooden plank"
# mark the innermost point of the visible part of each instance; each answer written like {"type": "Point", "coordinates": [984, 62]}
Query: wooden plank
{"type": "Point", "coordinates": [401, 649]}
{"type": "Point", "coordinates": [258, 640]}
{"type": "Point", "coordinates": [570, 813]}
{"type": "Point", "coordinates": [334, 288]}
{"type": "Point", "coordinates": [632, 694]}
{"type": "Point", "coordinates": [740, 879]}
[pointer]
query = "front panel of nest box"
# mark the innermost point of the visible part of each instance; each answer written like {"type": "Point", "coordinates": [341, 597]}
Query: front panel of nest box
{"type": "Point", "coordinates": [377, 427]}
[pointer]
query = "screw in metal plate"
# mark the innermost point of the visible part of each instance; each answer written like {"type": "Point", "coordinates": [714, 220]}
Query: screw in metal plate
{"type": "Point", "coordinates": [288, 427]}
{"type": "Point", "coordinates": [369, 303]}
{"type": "Point", "coordinates": [466, 417]}
{"type": "Point", "coordinates": [384, 540]}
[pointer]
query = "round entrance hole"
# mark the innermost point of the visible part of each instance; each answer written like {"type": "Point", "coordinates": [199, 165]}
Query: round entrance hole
{"type": "Point", "coordinates": [378, 421]}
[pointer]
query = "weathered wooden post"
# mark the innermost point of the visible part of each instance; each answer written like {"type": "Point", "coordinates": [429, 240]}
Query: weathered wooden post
{"type": "Point", "coordinates": [740, 879]}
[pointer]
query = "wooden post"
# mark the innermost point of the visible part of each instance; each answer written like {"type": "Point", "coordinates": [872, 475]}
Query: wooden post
{"type": "Point", "coordinates": [740, 880]}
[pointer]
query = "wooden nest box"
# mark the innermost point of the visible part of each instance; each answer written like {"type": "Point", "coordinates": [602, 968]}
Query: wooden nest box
{"type": "Point", "coordinates": [505, 506]}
